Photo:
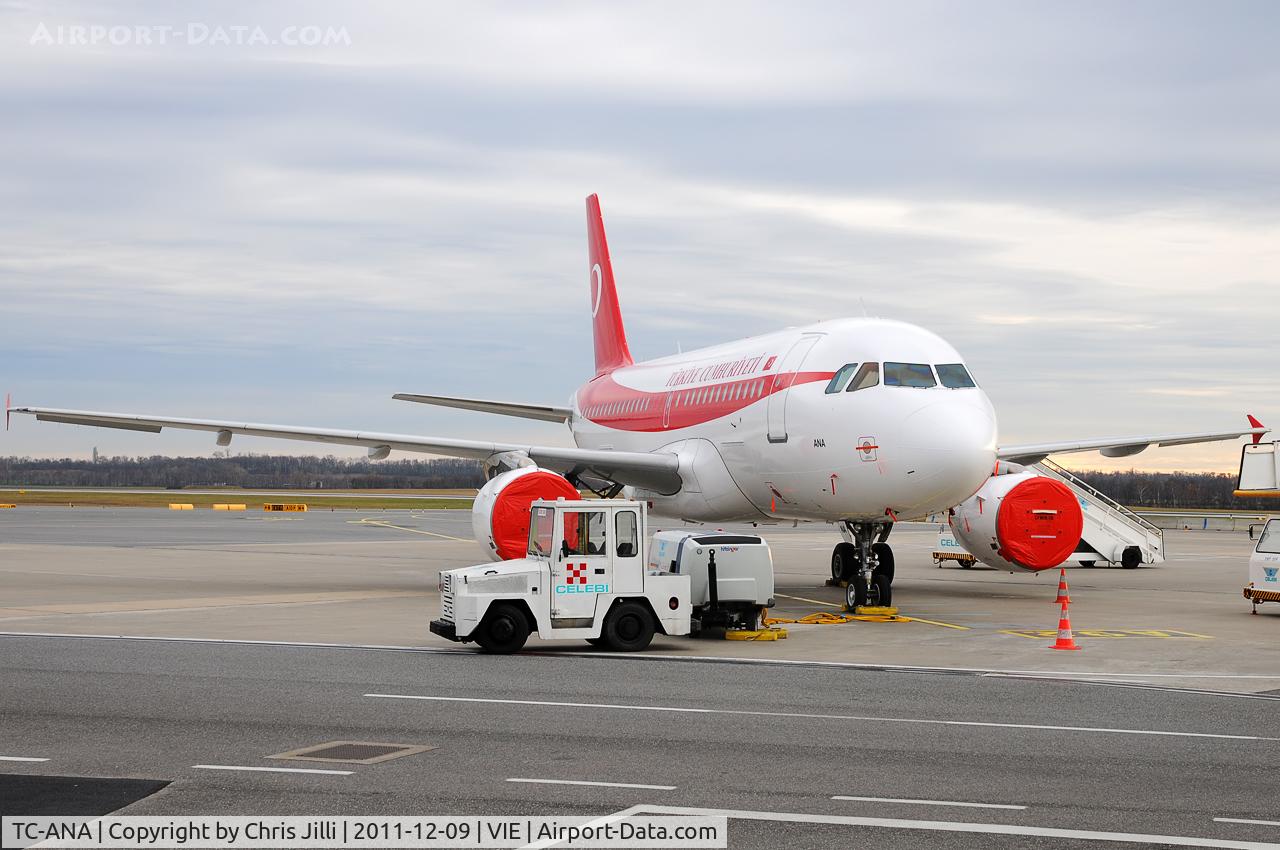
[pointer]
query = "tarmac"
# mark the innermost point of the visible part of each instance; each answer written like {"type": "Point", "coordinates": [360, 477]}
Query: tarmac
{"type": "Point", "coordinates": [793, 756]}
{"type": "Point", "coordinates": [370, 578]}
{"type": "Point", "coordinates": [212, 644]}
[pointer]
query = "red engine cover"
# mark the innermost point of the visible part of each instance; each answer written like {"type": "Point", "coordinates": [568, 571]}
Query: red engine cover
{"type": "Point", "coordinates": [510, 517]}
{"type": "Point", "coordinates": [1039, 523]}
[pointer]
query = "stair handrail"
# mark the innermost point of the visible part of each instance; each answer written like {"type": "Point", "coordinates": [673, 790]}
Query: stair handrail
{"type": "Point", "coordinates": [1102, 497]}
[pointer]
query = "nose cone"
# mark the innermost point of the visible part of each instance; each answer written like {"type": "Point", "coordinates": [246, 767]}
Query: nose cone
{"type": "Point", "coordinates": [949, 449]}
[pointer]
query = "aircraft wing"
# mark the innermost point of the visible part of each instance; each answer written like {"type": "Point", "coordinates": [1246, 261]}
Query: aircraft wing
{"type": "Point", "coordinates": [545, 412]}
{"type": "Point", "coordinates": [658, 471]}
{"type": "Point", "coordinates": [1124, 446]}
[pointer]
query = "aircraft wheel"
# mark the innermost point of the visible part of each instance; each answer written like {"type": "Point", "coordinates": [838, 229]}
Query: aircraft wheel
{"type": "Point", "coordinates": [884, 560]}
{"type": "Point", "coordinates": [629, 627]}
{"type": "Point", "coordinates": [881, 590]}
{"type": "Point", "coordinates": [504, 630]}
{"type": "Point", "coordinates": [844, 561]}
{"type": "Point", "coordinates": [855, 594]}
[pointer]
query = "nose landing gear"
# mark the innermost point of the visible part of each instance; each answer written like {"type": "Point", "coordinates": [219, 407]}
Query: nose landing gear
{"type": "Point", "coordinates": [864, 561]}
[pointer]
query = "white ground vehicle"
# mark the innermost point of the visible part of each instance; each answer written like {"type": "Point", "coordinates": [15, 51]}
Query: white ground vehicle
{"type": "Point", "coordinates": [1264, 567]}
{"type": "Point", "coordinates": [583, 577]}
{"type": "Point", "coordinates": [730, 575]}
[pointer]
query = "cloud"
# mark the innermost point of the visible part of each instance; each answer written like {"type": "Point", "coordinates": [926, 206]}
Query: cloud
{"type": "Point", "coordinates": [1084, 202]}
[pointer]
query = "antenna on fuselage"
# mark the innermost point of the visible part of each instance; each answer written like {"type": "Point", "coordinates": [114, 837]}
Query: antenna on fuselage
{"type": "Point", "coordinates": [865, 314]}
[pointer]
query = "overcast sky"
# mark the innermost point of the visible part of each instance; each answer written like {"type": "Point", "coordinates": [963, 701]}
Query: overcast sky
{"type": "Point", "coordinates": [1083, 198]}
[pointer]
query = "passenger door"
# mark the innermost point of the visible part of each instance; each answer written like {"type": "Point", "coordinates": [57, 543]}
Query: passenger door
{"type": "Point", "coordinates": [780, 386]}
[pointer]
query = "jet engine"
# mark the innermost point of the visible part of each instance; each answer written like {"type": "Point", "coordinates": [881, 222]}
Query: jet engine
{"type": "Point", "coordinates": [1019, 521]}
{"type": "Point", "coordinates": [500, 513]}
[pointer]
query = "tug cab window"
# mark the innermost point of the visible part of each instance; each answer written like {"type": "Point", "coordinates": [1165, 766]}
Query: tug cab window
{"type": "Point", "coordinates": [1269, 542]}
{"type": "Point", "coordinates": [954, 376]}
{"type": "Point", "coordinates": [917, 375]}
{"type": "Point", "coordinates": [626, 532]}
{"type": "Point", "coordinates": [584, 533]}
{"type": "Point", "coordinates": [541, 530]}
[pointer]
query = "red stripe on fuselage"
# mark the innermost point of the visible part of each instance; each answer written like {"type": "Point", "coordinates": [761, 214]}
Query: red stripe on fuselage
{"type": "Point", "coordinates": [606, 402]}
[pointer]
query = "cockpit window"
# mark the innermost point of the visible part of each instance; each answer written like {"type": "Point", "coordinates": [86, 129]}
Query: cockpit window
{"type": "Point", "coordinates": [954, 376]}
{"type": "Point", "coordinates": [840, 379]}
{"type": "Point", "coordinates": [917, 375]}
{"type": "Point", "coordinates": [868, 376]}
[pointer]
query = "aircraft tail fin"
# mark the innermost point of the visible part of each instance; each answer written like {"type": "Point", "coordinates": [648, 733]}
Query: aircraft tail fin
{"type": "Point", "coordinates": [606, 315]}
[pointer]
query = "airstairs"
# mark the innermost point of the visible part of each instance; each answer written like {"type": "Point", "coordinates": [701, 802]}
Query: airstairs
{"type": "Point", "coordinates": [1112, 533]}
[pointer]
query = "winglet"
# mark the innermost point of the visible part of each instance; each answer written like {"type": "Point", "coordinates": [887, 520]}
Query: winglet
{"type": "Point", "coordinates": [8, 405]}
{"type": "Point", "coordinates": [1257, 438]}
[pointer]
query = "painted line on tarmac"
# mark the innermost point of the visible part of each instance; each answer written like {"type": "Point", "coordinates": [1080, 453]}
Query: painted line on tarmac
{"type": "Point", "coordinates": [383, 524]}
{"type": "Point", "coordinates": [20, 758]}
{"type": "Point", "coordinates": [806, 599]}
{"type": "Point", "coordinates": [1249, 821]}
{"type": "Point", "coordinates": [905, 618]}
{"type": "Point", "coordinates": [939, 623]}
{"type": "Point", "coordinates": [917, 721]}
{"type": "Point", "coordinates": [51, 615]}
{"type": "Point", "coordinates": [961, 826]}
{"type": "Point", "coordinates": [930, 802]}
{"type": "Point", "coordinates": [1137, 686]}
{"type": "Point", "coordinates": [592, 784]}
{"type": "Point", "coordinates": [271, 769]}
{"type": "Point", "coordinates": [1042, 634]}
{"type": "Point", "coordinates": [1085, 676]}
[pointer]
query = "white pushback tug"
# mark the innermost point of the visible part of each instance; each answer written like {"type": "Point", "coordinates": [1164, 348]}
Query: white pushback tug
{"type": "Point", "coordinates": [1264, 567]}
{"type": "Point", "coordinates": [1260, 477]}
{"type": "Point", "coordinates": [585, 576]}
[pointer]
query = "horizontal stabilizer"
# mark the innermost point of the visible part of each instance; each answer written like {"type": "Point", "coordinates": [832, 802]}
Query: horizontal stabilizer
{"type": "Point", "coordinates": [545, 412]}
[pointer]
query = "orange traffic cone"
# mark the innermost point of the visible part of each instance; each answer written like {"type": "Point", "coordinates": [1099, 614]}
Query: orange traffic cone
{"type": "Point", "coordinates": [1063, 598]}
{"type": "Point", "coordinates": [1065, 638]}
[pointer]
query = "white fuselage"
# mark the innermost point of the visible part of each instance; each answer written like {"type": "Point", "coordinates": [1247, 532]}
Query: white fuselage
{"type": "Point", "coordinates": [760, 437]}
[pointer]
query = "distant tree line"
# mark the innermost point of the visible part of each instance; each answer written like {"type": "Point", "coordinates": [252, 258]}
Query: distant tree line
{"type": "Point", "coordinates": [1140, 489]}
{"type": "Point", "coordinates": [249, 471]}
{"type": "Point", "coordinates": [1184, 490]}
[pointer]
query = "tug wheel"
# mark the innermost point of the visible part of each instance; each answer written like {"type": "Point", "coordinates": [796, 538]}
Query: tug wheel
{"type": "Point", "coordinates": [628, 628]}
{"type": "Point", "coordinates": [504, 630]}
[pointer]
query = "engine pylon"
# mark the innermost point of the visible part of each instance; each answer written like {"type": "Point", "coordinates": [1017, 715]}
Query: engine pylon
{"type": "Point", "coordinates": [1064, 597]}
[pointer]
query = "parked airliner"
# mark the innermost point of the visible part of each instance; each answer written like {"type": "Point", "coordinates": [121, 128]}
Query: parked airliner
{"type": "Point", "coordinates": [858, 422]}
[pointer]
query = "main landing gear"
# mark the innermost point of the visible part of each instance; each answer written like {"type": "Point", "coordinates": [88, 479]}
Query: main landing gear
{"type": "Point", "coordinates": [865, 561]}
